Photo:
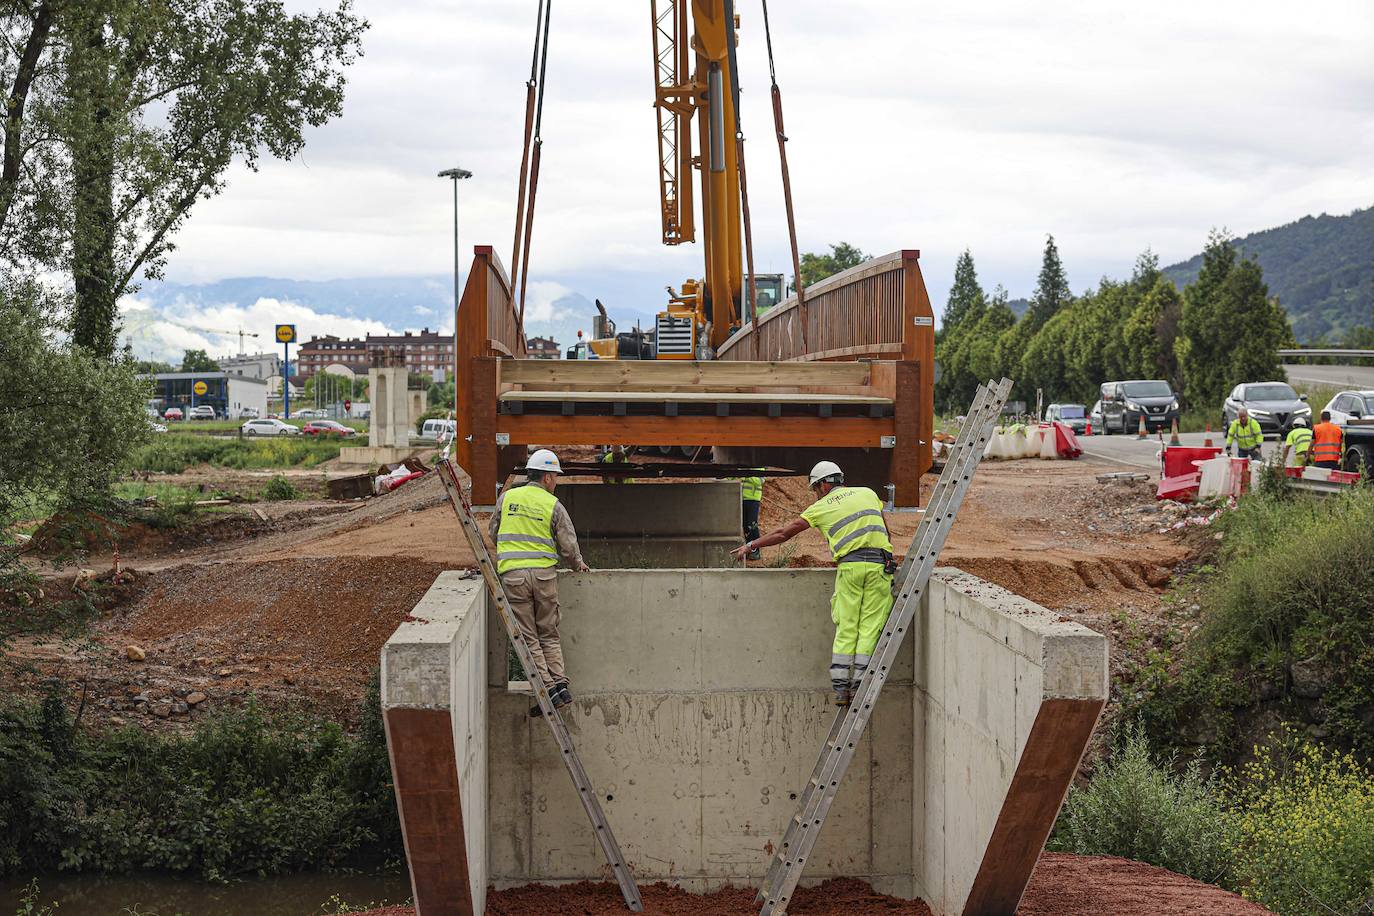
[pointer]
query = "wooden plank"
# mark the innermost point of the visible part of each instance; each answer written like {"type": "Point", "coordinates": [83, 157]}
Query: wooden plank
{"type": "Point", "coordinates": [906, 470]}
{"type": "Point", "coordinates": [606, 375]}
{"type": "Point", "coordinates": [425, 776]}
{"type": "Point", "coordinates": [837, 432]}
{"type": "Point", "coordinates": [484, 450]}
{"type": "Point", "coordinates": [1053, 750]}
{"type": "Point", "coordinates": [709, 397]}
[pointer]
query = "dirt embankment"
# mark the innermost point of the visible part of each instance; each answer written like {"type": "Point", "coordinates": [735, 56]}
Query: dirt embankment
{"type": "Point", "coordinates": [1062, 885]}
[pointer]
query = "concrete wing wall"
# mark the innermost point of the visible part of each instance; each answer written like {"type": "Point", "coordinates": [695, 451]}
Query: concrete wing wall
{"type": "Point", "coordinates": [1007, 697]}
{"type": "Point", "coordinates": [434, 702]}
{"type": "Point", "coordinates": [702, 701]}
{"type": "Point", "coordinates": [658, 526]}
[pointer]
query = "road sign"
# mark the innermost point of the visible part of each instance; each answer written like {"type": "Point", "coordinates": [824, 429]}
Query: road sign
{"type": "Point", "coordinates": [348, 405]}
{"type": "Point", "coordinates": [286, 333]}
{"type": "Point", "coordinates": [201, 387]}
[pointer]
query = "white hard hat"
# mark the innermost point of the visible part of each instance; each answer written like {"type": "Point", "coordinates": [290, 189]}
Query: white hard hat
{"type": "Point", "coordinates": [1299, 421]}
{"type": "Point", "coordinates": [825, 469]}
{"type": "Point", "coordinates": [544, 460]}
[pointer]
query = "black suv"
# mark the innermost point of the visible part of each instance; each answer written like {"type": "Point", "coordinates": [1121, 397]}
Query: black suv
{"type": "Point", "coordinates": [1124, 403]}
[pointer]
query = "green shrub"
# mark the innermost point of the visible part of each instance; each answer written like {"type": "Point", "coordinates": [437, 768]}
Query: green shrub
{"type": "Point", "coordinates": [1138, 807]}
{"type": "Point", "coordinates": [279, 488]}
{"type": "Point", "coordinates": [245, 792]}
{"type": "Point", "coordinates": [172, 454]}
{"type": "Point", "coordinates": [1303, 831]}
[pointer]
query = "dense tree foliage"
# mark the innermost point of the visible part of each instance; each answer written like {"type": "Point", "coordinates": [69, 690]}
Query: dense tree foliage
{"type": "Point", "coordinates": [198, 361]}
{"type": "Point", "coordinates": [816, 267]}
{"type": "Point", "coordinates": [1222, 330]}
{"type": "Point", "coordinates": [1321, 268]}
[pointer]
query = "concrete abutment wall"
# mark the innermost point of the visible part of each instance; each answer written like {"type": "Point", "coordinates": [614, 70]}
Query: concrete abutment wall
{"type": "Point", "coordinates": [702, 701]}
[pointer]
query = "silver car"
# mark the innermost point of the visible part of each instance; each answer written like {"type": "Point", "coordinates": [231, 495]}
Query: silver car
{"type": "Point", "coordinates": [1274, 405]}
{"type": "Point", "coordinates": [1351, 405]}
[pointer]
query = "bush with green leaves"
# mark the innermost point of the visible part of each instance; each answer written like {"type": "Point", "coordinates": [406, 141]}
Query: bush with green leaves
{"type": "Point", "coordinates": [172, 454]}
{"type": "Point", "coordinates": [245, 792]}
{"type": "Point", "coordinates": [1140, 807]}
{"type": "Point", "coordinates": [279, 488]}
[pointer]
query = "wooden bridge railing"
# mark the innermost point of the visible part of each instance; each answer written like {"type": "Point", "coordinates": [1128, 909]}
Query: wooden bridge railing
{"type": "Point", "coordinates": [486, 327]}
{"type": "Point", "coordinates": [876, 310]}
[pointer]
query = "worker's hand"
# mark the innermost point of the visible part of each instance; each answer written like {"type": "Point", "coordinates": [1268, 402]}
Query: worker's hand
{"type": "Point", "coordinates": [582, 566]}
{"type": "Point", "coordinates": [741, 552]}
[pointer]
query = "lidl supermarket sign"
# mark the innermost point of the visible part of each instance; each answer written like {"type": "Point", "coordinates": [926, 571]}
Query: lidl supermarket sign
{"type": "Point", "coordinates": [286, 333]}
{"type": "Point", "coordinates": [200, 387]}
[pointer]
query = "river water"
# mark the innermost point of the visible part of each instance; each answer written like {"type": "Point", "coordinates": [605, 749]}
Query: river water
{"type": "Point", "coordinates": [306, 894]}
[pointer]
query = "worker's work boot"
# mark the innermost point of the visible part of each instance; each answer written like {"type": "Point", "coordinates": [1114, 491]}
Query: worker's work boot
{"type": "Point", "coordinates": [843, 696]}
{"type": "Point", "coordinates": [756, 554]}
{"type": "Point", "coordinates": [559, 696]}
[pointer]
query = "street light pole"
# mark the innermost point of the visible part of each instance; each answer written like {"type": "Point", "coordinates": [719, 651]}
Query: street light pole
{"type": "Point", "coordinates": [457, 175]}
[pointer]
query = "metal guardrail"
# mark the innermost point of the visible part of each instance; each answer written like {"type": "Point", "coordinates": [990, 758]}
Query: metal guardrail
{"type": "Point", "coordinates": [1332, 353]}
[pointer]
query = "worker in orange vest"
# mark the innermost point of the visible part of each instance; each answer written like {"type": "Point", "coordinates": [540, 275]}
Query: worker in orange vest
{"type": "Point", "coordinates": [1328, 443]}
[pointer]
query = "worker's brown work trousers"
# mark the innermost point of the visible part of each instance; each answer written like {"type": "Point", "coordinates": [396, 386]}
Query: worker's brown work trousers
{"type": "Point", "coordinates": [533, 595]}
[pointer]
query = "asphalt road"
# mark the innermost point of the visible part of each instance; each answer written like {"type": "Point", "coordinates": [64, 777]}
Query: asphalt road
{"type": "Point", "coordinates": [1143, 453]}
{"type": "Point", "coordinates": [1343, 376]}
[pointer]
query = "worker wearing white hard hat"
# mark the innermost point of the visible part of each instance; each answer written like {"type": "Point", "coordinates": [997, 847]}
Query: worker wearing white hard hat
{"type": "Point", "coordinates": [851, 518]}
{"type": "Point", "coordinates": [531, 530]}
{"type": "Point", "coordinates": [1298, 444]}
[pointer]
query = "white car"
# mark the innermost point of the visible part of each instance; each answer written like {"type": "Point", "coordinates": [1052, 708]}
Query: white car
{"type": "Point", "coordinates": [156, 426]}
{"type": "Point", "coordinates": [1351, 405]}
{"type": "Point", "coordinates": [269, 428]}
{"type": "Point", "coordinates": [202, 412]}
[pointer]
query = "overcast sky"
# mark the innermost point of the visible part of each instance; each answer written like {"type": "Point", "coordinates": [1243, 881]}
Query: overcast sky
{"type": "Point", "coordinates": [936, 126]}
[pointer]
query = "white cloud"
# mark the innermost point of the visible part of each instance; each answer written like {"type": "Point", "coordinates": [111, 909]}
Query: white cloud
{"type": "Point", "coordinates": [541, 302]}
{"type": "Point", "coordinates": [164, 332]}
{"type": "Point", "coordinates": [1113, 125]}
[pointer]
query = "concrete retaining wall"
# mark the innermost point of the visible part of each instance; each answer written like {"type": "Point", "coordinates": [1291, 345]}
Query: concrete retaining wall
{"type": "Point", "coordinates": [702, 701]}
{"type": "Point", "coordinates": [655, 525]}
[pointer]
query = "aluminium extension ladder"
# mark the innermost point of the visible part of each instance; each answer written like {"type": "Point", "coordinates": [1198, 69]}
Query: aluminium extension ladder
{"type": "Point", "coordinates": [448, 474]}
{"type": "Point", "coordinates": [910, 581]}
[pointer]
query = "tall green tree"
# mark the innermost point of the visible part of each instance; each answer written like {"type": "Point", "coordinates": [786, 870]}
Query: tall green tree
{"type": "Point", "coordinates": [1230, 331]}
{"type": "Point", "coordinates": [966, 300]}
{"type": "Point", "coordinates": [1051, 288]}
{"type": "Point", "coordinates": [198, 361]}
{"type": "Point", "coordinates": [816, 267]}
{"type": "Point", "coordinates": [1151, 332]}
{"type": "Point", "coordinates": [135, 111]}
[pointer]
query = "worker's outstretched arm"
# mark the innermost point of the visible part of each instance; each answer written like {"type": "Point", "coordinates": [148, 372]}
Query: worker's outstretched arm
{"type": "Point", "coordinates": [776, 536]}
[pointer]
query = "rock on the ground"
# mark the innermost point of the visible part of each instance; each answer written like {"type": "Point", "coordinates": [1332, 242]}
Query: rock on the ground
{"type": "Point", "coordinates": [195, 698]}
{"type": "Point", "coordinates": [135, 653]}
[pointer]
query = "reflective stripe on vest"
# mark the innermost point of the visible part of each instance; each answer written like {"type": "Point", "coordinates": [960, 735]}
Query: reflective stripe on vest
{"type": "Point", "coordinates": [751, 487]}
{"type": "Point", "coordinates": [525, 537]}
{"type": "Point", "coordinates": [1326, 442]}
{"type": "Point", "coordinates": [1301, 439]}
{"type": "Point", "coordinates": [850, 518]}
{"type": "Point", "coordinates": [1246, 437]}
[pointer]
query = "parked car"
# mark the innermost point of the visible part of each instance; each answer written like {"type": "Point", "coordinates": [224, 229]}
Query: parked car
{"type": "Point", "coordinates": [1273, 405]}
{"type": "Point", "coordinates": [248, 413]}
{"type": "Point", "coordinates": [438, 429]}
{"type": "Point", "coordinates": [311, 413]}
{"type": "Point", "coordinates": [202, 412]}
{"type": "Point", "coordinates": [173, 413]}
{"type": "Point", "coordinates": [1125, 403]}
{"type": "Point", "coordinates": [269, 428]}
{"type": "Point", "coordinates": [1071, 415]}
{"type": "Point", "coordinates": [1095, 416]}
{"type": "Point", "coordinates": [1351, 405]}
{"type": "Point", "coordinates": [324, 428]}
{"type": "Point", "coordinates": [156, 426]}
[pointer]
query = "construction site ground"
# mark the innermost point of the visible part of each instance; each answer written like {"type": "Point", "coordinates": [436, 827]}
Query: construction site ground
{"type": "Point", "coordinates": [291, 602]}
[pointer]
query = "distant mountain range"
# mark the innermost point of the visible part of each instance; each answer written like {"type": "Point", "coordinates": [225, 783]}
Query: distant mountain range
{"type": "Point", "coordinates": [1320, 267]}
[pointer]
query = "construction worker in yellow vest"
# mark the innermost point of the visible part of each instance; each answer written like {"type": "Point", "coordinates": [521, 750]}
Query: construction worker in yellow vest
{"type": "Point", "coordinates": [1298, 445]}
{"type": "Point", "coordinates": [751, 498]}
{"type": "Point", "coordinates": [616, 454]}
{"type": "Point", "coordinates": [531, 529]}
{"type": "Point", "coordinates": [1246, 434]}
{"type": "Point", "coordinates": [851, 518]}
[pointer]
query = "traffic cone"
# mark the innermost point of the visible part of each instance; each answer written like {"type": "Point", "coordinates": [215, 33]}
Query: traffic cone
{"type": "Point", "coordinates": [1142, 434]}
{"type": "Point", "coordinates": [1207, 443]}
{"type": "Point", "coordinates": [1173, 433]}
{"type": "Point", "coordinates": [1088, 430]}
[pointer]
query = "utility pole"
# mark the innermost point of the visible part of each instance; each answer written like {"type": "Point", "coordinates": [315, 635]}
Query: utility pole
{"type": "Point", "coordinates": [457, 175]}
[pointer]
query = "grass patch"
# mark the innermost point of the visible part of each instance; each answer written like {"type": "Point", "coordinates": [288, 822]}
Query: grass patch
{"type": "Point", "coordinates": [279, 488]}
{"type": "Point", "coordinates": [245, 792]}
{"type": "Point", "coordinates": [174, 454]}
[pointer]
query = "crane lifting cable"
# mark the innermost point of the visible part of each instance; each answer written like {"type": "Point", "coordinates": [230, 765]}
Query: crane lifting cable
{"type": "Point", "coordinates": [538, 145]}
{"type": "Point", "coordinates": [530, 87]}
{"type": "Point", "coordinates": [786, 178]}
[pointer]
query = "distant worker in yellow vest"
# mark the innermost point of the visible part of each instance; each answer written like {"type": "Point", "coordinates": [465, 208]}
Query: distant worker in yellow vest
{"type": "Point", "coordinates": [751, 498]}
{"type": "Point", "coordinates": [616, 454]}
{"type": "Point", "coordinates": [1328, 443]}
{"type": "Point", "coordinates": [851, 518]}
{"type": "Point", "coordinates": [1297, 447]}
{"type": "Point", "coordinates": [1246, 435]}
{"type": "Point", "coordinates": [531, 529]}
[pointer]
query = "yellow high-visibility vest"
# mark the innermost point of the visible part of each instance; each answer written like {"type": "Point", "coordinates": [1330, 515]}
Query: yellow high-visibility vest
{"type": "Point", "coordinates": [525, 539]}
{"type": "Point", "coordinates": [850, 518]}
{"type": "Point", "coordinates": [1245, 437]}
